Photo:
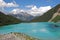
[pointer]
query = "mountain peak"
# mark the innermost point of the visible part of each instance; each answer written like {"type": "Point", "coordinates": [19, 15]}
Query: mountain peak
{"type": "Point", "coordinates": [58, 6]}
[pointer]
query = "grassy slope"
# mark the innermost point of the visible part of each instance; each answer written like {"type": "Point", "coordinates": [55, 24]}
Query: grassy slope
{"type": "Point", "coordinates": [47, 16]}
{"type": "Point", "coordinates": [5, 19]}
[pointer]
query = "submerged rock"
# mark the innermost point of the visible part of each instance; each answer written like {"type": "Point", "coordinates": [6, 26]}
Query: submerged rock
{"type": "Point", "coordinates": [56, 26]}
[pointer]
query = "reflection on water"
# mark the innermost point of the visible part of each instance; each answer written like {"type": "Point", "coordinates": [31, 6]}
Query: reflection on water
{"type": "Point", "coordinates": [42, 30]}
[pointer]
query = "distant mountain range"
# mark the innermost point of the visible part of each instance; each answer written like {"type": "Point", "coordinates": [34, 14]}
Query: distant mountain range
{"type": "Point", "coordinates": [53, 15]}
{"type": "Point", "coordinates": [16, 36]}
{"type": "Point", "coordinates": [24, 16]}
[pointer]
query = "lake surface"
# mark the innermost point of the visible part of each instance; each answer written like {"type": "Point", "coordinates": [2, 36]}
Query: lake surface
{"type": "Point", "coordinates": [43, 30]}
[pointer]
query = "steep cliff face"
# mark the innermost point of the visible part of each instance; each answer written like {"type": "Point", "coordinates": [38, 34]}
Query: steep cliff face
{"type": "Point", "coordinates": [16, 36]}
{"type": "Point", "coordinates": [6, 19]}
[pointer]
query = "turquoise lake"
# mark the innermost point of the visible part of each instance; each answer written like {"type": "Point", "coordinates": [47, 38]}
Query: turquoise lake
{"type": "Point", "coordinates": [43, 30]}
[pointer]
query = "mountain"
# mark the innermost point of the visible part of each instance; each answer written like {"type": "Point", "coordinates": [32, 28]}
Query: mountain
{"type": "Point", "coordinates": [6, 19]}
{"type": "Point", "coordinates": [23, 16]}
{"type": "Point", "coordinates": [16, 36]}
{"type": "Point", "coordinates": [49, 15]}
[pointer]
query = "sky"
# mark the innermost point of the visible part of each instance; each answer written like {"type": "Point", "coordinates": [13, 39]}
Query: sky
{"type": "Point", "coordinates": [10, 5]}
{"type": "Point", "coordinates": [38, 3]}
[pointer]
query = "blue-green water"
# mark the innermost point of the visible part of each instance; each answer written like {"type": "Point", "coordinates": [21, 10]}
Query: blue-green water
{"type": "Point", "coordinates": [43, 30]}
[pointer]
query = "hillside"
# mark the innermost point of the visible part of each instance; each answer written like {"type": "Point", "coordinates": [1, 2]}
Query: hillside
{"type": "Point", "coordinates": [56, 19]}
{"type": "Point", "coordinates": [6, 19]}
{"type": "Point", "coordinates": [48, 15]}
{"type": "Point", "coordinates": [16, 36]}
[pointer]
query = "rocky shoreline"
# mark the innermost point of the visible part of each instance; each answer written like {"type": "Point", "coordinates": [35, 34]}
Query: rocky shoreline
{"type": "Point", "coordinates": [16, 36]}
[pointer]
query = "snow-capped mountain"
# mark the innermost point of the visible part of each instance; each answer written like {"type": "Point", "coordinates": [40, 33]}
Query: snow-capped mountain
{"type": "Point", "coordinates": [22, 15]}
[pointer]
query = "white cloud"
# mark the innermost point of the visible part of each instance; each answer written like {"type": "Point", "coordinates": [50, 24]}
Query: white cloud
{"type": "Point", "coordinates": [29, 6]}
{"type": "Point", "coordinates": [15, 11]}
{"type": "Point", "coordinates": [4, 4]}
{"type": "Point", "coordinates": [39, 11]}
{"type": "Point", "coordinates": [11, 5]}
